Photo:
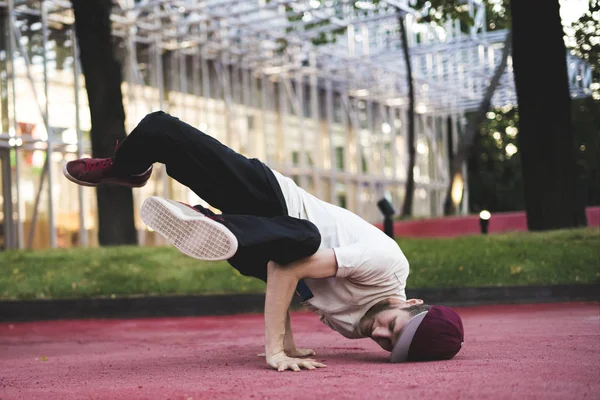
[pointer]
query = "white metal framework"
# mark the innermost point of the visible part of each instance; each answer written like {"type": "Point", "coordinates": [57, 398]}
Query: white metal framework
{"type": "Point", "coordinates": [249, 73]}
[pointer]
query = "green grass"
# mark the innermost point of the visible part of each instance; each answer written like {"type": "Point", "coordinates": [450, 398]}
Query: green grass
{"type": "Point", "coordinates": [558, 257]}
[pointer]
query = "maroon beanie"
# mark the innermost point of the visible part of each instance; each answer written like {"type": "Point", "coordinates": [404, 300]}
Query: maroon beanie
{"type": "Point", "coordinates": [435, 334]}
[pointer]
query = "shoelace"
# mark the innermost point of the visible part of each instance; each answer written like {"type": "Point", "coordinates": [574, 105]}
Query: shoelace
{"type": "Point", "coordinates": [102, 163]}
{"type": "Point", "coordinates": [93, 166]}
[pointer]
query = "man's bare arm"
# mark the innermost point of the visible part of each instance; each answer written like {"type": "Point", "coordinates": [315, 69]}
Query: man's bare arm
{"type": "Point", "coordinates": [281, 283]}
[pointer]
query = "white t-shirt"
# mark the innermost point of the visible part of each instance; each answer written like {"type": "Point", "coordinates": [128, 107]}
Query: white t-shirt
{"type": "Point", "coordinates": [371, 266]}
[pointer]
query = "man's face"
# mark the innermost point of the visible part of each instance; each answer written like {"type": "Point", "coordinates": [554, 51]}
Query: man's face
{"type": "Point", "coordinates": [384, 323]}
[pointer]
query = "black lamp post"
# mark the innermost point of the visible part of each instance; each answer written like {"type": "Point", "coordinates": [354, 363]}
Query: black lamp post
{"type": "Point", "coordinates": [388, 212]}
{"type": "Point", "coordinates": [484, 221]}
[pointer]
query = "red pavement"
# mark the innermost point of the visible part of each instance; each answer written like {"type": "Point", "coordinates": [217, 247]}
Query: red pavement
{"type": "Point", "coordinates": [549, 351]}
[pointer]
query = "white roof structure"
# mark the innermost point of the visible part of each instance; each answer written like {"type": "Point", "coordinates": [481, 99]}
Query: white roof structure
{"type": "Point", "coordinates": [451, 68]}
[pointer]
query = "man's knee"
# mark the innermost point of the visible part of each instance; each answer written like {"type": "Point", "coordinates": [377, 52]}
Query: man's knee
{"type": "Point", "coordinates": [295, 247]}
{"type": "Point", "coordinates": [309, 237]}
{"type": "Point", "coordinates": [157, 122]}
{"type": "Point", "coordinates": [312, 240]}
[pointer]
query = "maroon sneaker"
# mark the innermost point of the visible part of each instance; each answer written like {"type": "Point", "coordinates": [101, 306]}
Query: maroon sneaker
{"type": "Point", "coordinates": [98, 171]}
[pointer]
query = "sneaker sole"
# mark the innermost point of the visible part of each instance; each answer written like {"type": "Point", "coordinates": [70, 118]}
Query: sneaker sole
{"type": "Point", "coordinates": [105, 181]}
{"type": "Point", "coordinates": [189, 230]}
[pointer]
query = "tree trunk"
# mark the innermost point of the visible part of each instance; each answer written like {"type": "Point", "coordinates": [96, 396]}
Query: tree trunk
{"type": "Point", "coordinates": [465, 143]}
{"type": "Point", "coordinates": [102, 74]}
{"type": "Point", "coordinates": [547, 144]}
{"type": "Point", "coordinates": [4, 69]}
{"type": "Point", "coordinates": [407, 206]}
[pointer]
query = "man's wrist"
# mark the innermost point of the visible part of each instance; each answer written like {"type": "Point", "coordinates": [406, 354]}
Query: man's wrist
{"type": "Point", "coordinates": [271, 356]}
{"type": "Point", "coordinates": [274, 348]}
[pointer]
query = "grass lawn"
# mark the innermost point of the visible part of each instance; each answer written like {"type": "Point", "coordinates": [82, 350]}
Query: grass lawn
{"type": "Point", "coordinates": [558, 257]}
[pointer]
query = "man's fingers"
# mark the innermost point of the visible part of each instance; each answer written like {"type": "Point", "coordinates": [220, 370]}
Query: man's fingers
{"type": "Point", "coordinates": [308, 366]}
{"type": "Point", "coordinates": [316, 364]}
{"type": "Point", "coordinates": [261, 355]}
{"type": "Point", "coordinates": [296, 364]}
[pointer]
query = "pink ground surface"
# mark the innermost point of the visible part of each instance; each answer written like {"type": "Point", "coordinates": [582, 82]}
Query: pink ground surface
{"type": "Point", "coordinates": [549, 351]}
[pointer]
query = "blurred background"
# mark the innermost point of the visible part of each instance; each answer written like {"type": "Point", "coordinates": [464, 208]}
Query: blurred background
{"type": "Point", "coordinates": [410, 100]}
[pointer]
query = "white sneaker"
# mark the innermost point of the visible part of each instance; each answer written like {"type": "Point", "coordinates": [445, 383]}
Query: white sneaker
{"type": "Point", "coordinates": [189, 230]}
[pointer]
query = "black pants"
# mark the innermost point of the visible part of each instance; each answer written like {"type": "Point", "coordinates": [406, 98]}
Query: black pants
{"type": "Point", "coordinates": [245, 190]}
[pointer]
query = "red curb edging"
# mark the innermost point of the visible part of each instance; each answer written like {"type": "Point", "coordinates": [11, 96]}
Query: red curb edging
{"type": "Point", "coordinates": [469, 224]}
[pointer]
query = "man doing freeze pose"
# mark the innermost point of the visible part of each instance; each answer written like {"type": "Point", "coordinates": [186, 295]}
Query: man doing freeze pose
{"type": "Point", "coordinates": [346, 270]}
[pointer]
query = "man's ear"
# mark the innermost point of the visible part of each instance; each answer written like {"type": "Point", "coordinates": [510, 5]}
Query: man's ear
{"type": "Point", "coordinates": [414, 302]}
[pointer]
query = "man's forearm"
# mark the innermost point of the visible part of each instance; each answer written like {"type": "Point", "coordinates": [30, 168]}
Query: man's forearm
{"type": "Point", "coordinates": [281, 283]}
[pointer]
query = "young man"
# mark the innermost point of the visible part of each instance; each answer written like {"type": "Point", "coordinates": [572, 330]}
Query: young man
{"type": "Point", "coordinates": [347, 271]}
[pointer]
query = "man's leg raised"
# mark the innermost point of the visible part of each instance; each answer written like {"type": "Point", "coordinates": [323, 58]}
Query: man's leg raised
{"type": "Point", "coordinates": [248, 242]}
{"type": "Point", "coordinates": [225, 179]}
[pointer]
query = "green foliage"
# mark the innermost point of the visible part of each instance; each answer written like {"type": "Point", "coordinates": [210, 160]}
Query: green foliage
{"type": "Point", "coordinates": [587, 41]}
{"type": "Point", "coordinates": [570, 256]}
{"type": "Point", "coordinates": [294, 17]}
{"type": "Point", "coordinates": [495, 179]}
{"type": "Point", "coordinates": [498, 14]}
{"type": "Point", "coordinates": [430, 11]}
{"type": "Point", "coordinates": [440, 11]}
{"type": "Point", "coordinates": [586, 123]}
{"type": "Point", "coordinates": [494, 174]}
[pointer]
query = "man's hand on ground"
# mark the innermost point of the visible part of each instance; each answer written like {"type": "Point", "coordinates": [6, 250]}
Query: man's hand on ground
{"type": "Point", "coordinates": [282, 362]}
